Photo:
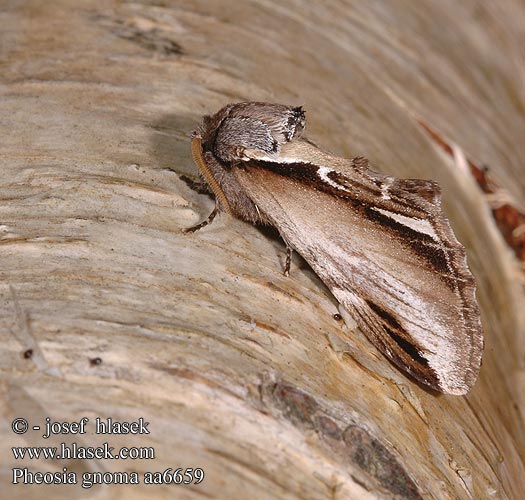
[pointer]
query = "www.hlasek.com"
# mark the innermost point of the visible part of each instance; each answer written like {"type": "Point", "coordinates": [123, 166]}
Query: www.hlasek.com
{"type": "Point", "coordinates": [23, 475]}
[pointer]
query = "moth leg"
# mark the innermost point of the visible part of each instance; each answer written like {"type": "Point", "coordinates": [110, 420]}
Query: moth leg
{"type": "Point", "coordinates": [205, 222]}
{"type": "Point", "coordinates": [289, 252]}
{"type": "Point", "coordinates": [198, 186]}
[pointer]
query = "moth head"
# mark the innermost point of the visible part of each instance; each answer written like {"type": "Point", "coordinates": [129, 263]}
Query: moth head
{"type": "Point", "coordinates": [296, 122]}
{"type": "Point", "coordinates": [238, 131]}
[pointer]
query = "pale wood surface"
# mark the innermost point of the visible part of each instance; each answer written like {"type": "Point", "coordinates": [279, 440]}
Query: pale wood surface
{"type": "Point", "coordinates": [238, 369]}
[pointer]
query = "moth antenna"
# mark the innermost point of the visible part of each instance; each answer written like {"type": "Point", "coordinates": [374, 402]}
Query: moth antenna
{"type": "Point", "coordinates": [196, 150]}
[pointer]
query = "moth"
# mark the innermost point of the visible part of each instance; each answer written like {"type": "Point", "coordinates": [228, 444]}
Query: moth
{"type": "Point", "coordinates": [382, 245]}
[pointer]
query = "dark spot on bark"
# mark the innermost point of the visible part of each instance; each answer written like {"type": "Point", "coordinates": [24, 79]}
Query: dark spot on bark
{"type": "Point", "coordinates": [95, 361]}
{"type": "Point", "coordinates": [152, 40]}
{"type": "Point", "coordinates": [28, 354]}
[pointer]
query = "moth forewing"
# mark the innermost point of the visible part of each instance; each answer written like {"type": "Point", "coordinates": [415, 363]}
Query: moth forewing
{"type": "Point", "coordinates": [412, 312]}
{"type": "Point", "coordinates": [381, 244]}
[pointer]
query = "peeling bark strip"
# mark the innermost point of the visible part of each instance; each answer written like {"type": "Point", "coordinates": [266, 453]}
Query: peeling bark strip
{"type": "Point", "coordinates": [351, 444]}
{"type": "Point", "coordinates": [376, 460]}
{"type": "Point", "coordinates": [297, 406]}
{"type": "Point", "coordinates": [510, 220]}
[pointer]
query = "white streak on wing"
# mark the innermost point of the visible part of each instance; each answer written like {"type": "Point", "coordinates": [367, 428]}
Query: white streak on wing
{"type": "Point", "coordinates": [421, 317]}
{"type": "Point", "coordinates": [384, 190]}
{"type": "Point", "coordinates": [323, 174]}
{"type": "Point", "coordinates": [291, 159]}
{"type": "Point", "coordinates": [250, 154]}
{"type": "Point", "coordinates": [435, 348]}
{"type": "Point", "coordinates": [419, 225]}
